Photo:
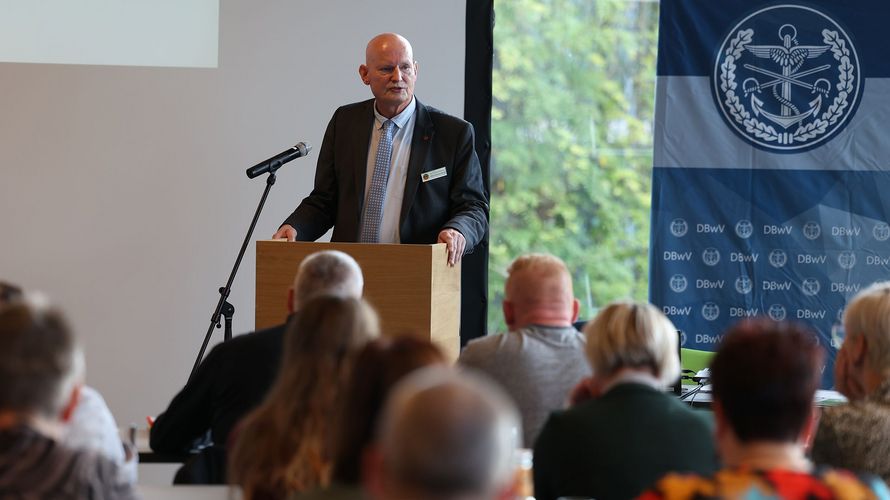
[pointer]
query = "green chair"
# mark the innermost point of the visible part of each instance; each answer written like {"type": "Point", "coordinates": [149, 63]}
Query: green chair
{"type": "Point", "coordinates": [695, 360]}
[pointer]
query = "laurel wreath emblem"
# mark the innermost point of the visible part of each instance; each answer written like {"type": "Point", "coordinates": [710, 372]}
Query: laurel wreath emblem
{"type": "Point", "coordinates": [804, 133]}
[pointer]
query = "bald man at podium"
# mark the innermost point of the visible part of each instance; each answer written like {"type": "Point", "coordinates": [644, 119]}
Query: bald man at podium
{"type": "Point", "coordinates": [392, 169]}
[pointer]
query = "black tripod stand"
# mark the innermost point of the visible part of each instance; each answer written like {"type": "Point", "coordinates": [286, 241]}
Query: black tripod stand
{"type": "Point", "coordinates": [223, 307]}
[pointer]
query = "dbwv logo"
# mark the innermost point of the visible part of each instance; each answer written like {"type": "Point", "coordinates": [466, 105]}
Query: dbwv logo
{"type": "Point", "coordinates": [787, 78]}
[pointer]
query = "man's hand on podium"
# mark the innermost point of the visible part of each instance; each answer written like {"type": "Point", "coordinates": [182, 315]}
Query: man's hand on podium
{"type": "Point", "coordinates": [456, 244]}
{"type": "Point", "coordinates": [454, 241]}
{"type": "Point", "coordinates": [285, 232]}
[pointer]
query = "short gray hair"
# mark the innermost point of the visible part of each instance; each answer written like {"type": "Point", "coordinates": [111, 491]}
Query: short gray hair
{"type": "Point", "coordinates": [40, 361]}
{"type": "Point", "coordinates": [445, 434]}
{"type": "Point", "coordinates": [633, 335]}
{"type": "Point", "coordinates": [329, 272]}
{"type": "Point", "coordinates": [868, 314]}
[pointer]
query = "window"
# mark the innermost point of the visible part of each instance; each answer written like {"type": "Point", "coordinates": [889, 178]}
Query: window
{"type": "Point", "coordinates": [572, 119]}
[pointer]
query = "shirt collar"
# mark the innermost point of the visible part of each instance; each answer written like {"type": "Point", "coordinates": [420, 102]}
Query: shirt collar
{"type": "Point", "coordinates": [634, 377]}
{"type": "Point", "coordinates": [400, 119]}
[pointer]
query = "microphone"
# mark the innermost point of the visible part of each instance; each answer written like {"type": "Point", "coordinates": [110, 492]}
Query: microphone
{"type": "Point", "coordinates": [274, 163]}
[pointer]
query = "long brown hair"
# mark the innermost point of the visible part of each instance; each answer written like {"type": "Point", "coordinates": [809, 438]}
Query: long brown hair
{"type": "Point", "coordinates": [378, 367]}
{"type": "Point", "coordinates": [281, 446]}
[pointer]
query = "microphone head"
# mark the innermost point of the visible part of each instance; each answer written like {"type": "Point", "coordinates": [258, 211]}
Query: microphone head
{"type": "Point", "coordinates": [304, 148]}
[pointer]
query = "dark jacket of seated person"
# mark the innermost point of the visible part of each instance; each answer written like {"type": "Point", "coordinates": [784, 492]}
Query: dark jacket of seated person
{"type": "Point", "coordinates": [231, 381]}
{"type": "Point", "coordinates": [236, 375]}
{"type": "Point", "coordinates": [629, 432]}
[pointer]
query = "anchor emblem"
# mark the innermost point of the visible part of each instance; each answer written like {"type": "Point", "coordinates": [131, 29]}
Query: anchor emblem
{"type": "Point", "coordinates": [792, 95]}
{"type": "Point", "coordinates": [790, 56]}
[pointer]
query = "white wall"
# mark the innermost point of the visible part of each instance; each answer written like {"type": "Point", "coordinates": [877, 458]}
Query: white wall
{"type": "Point", "coordinates": [123, 188]}
{"type": "Point", "coordinates": [174, 33]}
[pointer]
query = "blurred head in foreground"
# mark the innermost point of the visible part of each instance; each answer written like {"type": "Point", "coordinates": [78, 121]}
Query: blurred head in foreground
{"type": "Point", "coordinates": [41, 367]}
{"type": "Point", "coordinates": [445, 435]}
{"type": "Point", "coordinates": [283, 445]}
{"type": "Point", "coordinates": [764, 376]}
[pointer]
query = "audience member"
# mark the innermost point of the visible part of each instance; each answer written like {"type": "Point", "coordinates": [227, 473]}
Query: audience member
{"type": "Point", "coordinates": [92, 426]}
{"type": "Point", "coordinates": [857, 435]}
{"type": "Point", "coordinates": [764, 376]}
{"type": "Point", "coordinates": [629, 432]}
{"type": "Point", "coordinates": [379, 365]}
{"type": "Point", "coordinates": [284, 446]}
{"type": "Point", "coordinates": [541, 357]}
{"type": "Point", "coordinates": [41, 373]}
{"type": "Point", "coordinates": [444, 435]}
{"type": "Point", "coordinates": [236, 375]}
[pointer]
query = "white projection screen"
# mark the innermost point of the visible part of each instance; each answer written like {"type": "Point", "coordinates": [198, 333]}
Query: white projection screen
{"type": "Point", "coordinates": [182, 33]}
{"type": "Point", "coordinates": [124, 194]}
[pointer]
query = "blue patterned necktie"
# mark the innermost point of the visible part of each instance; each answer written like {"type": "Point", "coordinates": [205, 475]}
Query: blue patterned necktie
{"type": "Point", "coordinates": [373, 213]}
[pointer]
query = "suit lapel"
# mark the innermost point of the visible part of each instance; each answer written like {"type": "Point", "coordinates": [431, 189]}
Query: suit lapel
{"type": "Point", "coordinates": [420, 144]}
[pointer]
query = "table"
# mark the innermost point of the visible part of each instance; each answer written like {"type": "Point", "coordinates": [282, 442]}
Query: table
{"type": "Point", "coordinates": [704, 397]}
{"type": "Point", "coordinates": [189, 493]}
{"type": "Point", "coordinates": [138, 437]}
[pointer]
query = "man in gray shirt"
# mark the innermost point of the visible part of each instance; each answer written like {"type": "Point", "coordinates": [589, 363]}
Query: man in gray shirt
{"type": "Point", "coordinates": [541, 358]}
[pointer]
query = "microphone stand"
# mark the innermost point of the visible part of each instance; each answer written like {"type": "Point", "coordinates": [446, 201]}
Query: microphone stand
{"type": "Point", "coordinates": [223, 307]}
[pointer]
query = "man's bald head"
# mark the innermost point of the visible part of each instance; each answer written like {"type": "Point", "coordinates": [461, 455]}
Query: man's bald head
{"type": "Point", "coordinates": [391, 71]}
{"type": "Point", "coordinates": [387, 41]}
{"type": "Point", "coordinates": [539, 291]}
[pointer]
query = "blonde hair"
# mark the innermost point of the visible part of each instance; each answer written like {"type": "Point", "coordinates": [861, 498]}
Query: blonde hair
{"type": "Point", "coordinates": [868, 314]}
{"type": "Point", "coordinates": [633, 335]}
{"type": "Point", "coordinates": [283, 445]}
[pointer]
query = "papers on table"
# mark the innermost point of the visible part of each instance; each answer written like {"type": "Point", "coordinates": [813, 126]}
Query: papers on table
{"type": "Point", "coordinates": [823, 397]}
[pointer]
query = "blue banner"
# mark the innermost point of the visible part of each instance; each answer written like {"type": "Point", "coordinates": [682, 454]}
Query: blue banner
{"type": "Point", "coordinates": [770, 164]}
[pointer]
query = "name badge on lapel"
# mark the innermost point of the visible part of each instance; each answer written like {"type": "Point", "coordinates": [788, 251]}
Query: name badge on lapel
{"type": "Point", "coordinates": [433, 174]}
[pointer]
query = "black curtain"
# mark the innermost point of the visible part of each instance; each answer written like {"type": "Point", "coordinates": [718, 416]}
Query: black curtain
{"type": "Point", "coordinates": [477, 111]}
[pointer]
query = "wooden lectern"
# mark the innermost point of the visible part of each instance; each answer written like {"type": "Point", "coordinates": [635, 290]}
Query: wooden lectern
{"type": "Point", "coordinates": [411, 286]}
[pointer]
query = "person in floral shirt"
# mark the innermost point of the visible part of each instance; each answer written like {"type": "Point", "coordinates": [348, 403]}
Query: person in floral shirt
{"type": "Point", "coordinates": [764, 376]}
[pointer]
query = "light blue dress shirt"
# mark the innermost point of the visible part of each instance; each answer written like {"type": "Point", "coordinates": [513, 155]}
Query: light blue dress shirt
{"type": "Point", "coordinates": [398, 169]}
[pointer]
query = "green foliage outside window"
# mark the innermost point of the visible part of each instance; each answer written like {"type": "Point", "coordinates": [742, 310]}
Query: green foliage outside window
{"type": "Point", "coordinates": [572, 125]}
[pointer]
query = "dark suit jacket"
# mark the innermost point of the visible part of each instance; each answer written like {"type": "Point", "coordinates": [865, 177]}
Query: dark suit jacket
{"type": "Point", "coordinates": [455, 201]}
{"type": "Point", "coordinates": [231, 381]}
{"type": "Point", "coordinates": [616, 446]}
